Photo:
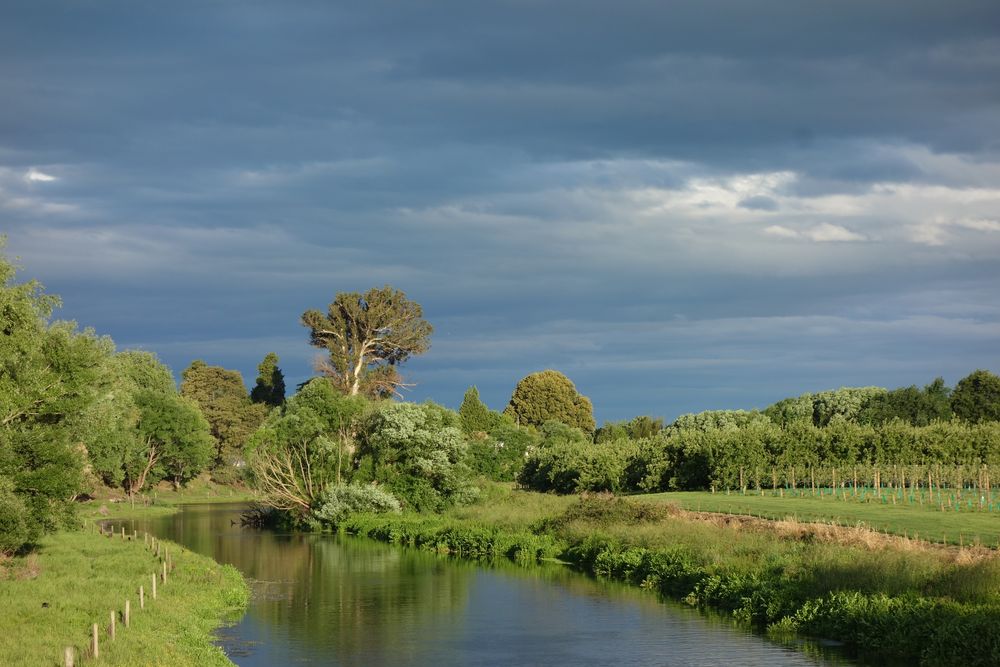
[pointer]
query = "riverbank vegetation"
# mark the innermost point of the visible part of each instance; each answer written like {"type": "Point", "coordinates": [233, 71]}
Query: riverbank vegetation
{"type": "Point", "coordinates": [886, 597]}
{"type": "Point", "coordinates": [73, 579]}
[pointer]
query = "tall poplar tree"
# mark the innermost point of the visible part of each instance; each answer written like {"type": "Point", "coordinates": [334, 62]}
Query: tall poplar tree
{"type": "Point", "coordinates": [270, 387]}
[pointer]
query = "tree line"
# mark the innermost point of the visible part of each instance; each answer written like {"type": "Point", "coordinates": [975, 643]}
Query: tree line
{"type": "Point", "coordinates": [75, 412]}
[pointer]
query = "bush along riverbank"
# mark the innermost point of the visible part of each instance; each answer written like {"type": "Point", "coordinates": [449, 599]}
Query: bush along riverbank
{"type": "Point", "coordinates": [53, 596]}
{"type": "Point", "coordinates": [885, 598]}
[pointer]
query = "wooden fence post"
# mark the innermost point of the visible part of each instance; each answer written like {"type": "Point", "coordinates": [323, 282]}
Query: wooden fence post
{"type": "Point", "coordinates": [68, 656]}
{"type": "Point", "coordinates": [95, 648]}
{"type": "Point", "coordinates": [163, 578]}
{"type": "Point", "coordinates": [111, 628]}
{"type": "Point", "coordinates": [142, 598]}
{"type": "Point", "coordinates": [127, 614]}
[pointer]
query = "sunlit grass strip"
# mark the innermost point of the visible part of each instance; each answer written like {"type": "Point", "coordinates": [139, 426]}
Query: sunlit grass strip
{"type": "Point", "coordinates": [913, 520]}
{"type": "Point", "coordinates": [51, 599]}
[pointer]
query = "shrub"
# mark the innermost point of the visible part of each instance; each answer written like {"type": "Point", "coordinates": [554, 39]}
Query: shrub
{"type": "Point", "coordinates": [340, 501]}
{"type": "Point", "coordinates": [14, 520]}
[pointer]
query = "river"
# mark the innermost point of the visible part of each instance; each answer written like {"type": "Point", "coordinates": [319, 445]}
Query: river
{"type": "Point", "coordinates": [332, 600]}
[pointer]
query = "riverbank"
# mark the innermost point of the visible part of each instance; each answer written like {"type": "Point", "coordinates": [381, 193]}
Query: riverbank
{"type": "Point", "coordinates": [52, 596]}
{"type": "Point", "coordinates": [111, 504]}
{"type": "Point", "coordinates": [886, 598]}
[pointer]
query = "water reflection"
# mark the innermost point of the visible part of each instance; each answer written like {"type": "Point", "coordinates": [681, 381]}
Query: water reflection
{"type": "Point", "coordinates": [324, 600]}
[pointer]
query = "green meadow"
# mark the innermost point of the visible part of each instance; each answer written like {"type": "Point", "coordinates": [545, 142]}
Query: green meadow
{"type": "Point", "coordinates": [964, 525]}
{"type": "Point", "coordinates": [73, 579]}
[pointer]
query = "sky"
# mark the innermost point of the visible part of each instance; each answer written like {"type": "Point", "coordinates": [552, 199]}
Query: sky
{"type": "Point", "coordinates": [682, 206]}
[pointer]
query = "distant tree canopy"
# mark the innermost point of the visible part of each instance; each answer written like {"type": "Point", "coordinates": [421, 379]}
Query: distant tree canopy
{"type": "Point", "coordinates": [639, 427]}
{"type": "Point", "coordinates": [497, 445]}
{"type": "Point", "coordinates": [367, 336]}
{"type": "Point", "coordinates": [821, 407]}
{"type": "Point", "coordinates": [550, 395]}
{"type": "Point", "coordinates": [976, 397]}
{"type": "Point", "coordinates": [476, 416]}
{"type": "Point", "coordinates": [270, 387]}
{"type": "Point", "coordinates": [140, 430]}
{"type": "Point", "coordinates": [223, 400]}
{"type": "Point", "coordinates": [918, 407]}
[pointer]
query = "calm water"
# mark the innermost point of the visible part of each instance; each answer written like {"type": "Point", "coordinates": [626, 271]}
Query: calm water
{"type": "Point", "coordinates": [328, 600]}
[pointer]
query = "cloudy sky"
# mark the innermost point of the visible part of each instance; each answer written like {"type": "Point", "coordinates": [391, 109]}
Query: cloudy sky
{"type": "Point", "coordinates": [682, 206]}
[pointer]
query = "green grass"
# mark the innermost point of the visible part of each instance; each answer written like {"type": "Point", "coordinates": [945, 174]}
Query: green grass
{"type": "Point", "coordinates": [51, 597]}
{"type": "Point", "coordinates": [112, 504]}
{"type": "Point", "coordinates": [927, 521]}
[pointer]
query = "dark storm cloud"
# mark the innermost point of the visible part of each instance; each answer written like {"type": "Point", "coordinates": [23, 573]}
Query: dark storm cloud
{"type": "Point", "coordinates": [682, 206]}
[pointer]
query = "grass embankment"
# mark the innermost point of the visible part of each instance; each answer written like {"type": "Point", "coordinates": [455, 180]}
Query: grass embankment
{"type": "Point", "coordinates": [889, 598]}
{"type": "Point", "coordinates": [51, 598]}
{"type": "Point", "coordinates": [965, 526]}
{"type": "Point", "coordinates": [109, 504]}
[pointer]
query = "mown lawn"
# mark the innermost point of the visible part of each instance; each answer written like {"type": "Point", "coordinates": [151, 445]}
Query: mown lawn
{"type": "Point", "coordinates": [50, 599]}
{"type": "Point", "coordinates": [927, 522]}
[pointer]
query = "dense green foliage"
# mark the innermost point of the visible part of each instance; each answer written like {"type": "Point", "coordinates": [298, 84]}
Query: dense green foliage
{"type": "Point", "coordinates": [904, 437]}
{"type": "Point", "coordinates": [367, 336]}
{"type": "Point", "coordinates": [977, 397]}
{"type": "Point", "coordinates": [342, 500]}
{"type": "Point", "coordinates": [270, 386]}
{"type": "Point", "coordinates": [223, 400]}
{"type": "Point", "coordinates": [139, 430]}
{"type": "Point", "coordinates": [497, 446]}
{"type": "Point", "coordinates": [321, 439]}
{"type": "Point", "coordinates": [909, 404]}
{"type": "Point", "coordinates": [48, 374]}
{"type": "Point", "coordinates": [305, 446]}
{"type": "Point", "coordinates": [550, 396]}
{"type": "Point", "coordinates": [419, 453]}
{"type": "Point", "coordinates": [636, 428]}
{"type": "Point", "coordinates": [761, 454]}
{"type": "Point", "coordinates": [74, 414]}
{"type": "Point", "coordinates": [476, 416]}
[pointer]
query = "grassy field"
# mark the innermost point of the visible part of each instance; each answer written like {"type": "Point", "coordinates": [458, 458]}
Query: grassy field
{"type": "Point", "coordinates": [51, 597]}
{"type": "Point", "coordinates": [926, 522]}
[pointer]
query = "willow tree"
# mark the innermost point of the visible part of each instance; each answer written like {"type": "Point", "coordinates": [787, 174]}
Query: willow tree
{"type": "Point", "coordinates": [367, 336]}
